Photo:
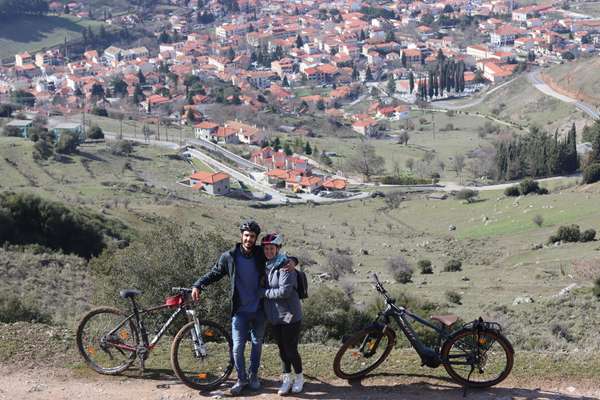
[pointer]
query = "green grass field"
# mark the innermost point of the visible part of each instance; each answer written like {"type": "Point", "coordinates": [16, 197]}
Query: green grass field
{"type": "Point", "coordinates": [34, 33]}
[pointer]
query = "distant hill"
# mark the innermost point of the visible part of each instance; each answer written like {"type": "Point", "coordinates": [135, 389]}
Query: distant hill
{"type": "Point", "coordinates": [33, 33]}
{"type": "Point", "coordinates": [580, 79]}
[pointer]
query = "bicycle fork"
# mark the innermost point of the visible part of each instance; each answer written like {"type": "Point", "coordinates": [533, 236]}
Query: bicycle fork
{"type": "Point", "coordinates": [199, 346]}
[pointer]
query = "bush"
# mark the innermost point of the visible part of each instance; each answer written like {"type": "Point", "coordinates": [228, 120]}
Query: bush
{"type": "Point", "coordinates": [538, 220]}
{"type": "Point", "coordinates": [453, 297]}
{"type": "Point", "coordinates": [121, 147]}
{"type": "Point", "coordinates": [528, 186]}
{"type": "Point", "coordinates": [95, 132]}
{"type": "Point", "coordinates": [27, 219]}
{"type": "Point", "coordinates": [596, 289]}
{"type": "Point", "coordinates": [339, 264]}
{"type": "Point", "coordinates": [11, 131]}
{"type": "Point", "coordinates": [13, 309]}
{"type": "Point", "coordinates": [400, 269]}
{"type": "Point", "coordinates": [566, 233]}
{"type": "Point", "coordinates": [160, 259]}
{"type": "Point", "coordinates": [588, 235]}
{"type": "Point", "coordinates": [328, 313]}
{"type": "Point", "coordinates": [512, 191]}
{"type": "Point", "coordinates": [404, 180]}
{"type": "Point", "coordinates": [99, 111]}
{"type": "Point", "coordinates": [453, 265]}
{"type": "Point", "coordinates": [425, 266]}
{"type": "Point", "coordinates": [467, 194]}
{"type": "Point", "coordinates": [67, 143]}
{"type": "Point", "coordinates": [591, 173]}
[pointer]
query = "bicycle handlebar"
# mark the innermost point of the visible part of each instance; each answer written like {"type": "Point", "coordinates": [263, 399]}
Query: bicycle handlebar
{"type": "Point", "coordinates": [379, 287]}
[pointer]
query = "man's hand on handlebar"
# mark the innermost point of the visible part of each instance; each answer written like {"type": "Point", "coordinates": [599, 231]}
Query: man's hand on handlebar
{"type": "Point", "coordinates": [195, 294]}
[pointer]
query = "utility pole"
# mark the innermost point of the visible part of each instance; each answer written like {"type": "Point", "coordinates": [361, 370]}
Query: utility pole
{"type": "Point", "coordinates": [83, 117]}
{"type": "Point", "coordinates": [158, 128]}
{"type": "Point", "coordinates": [433, 123]}
{"type": "Point", "coordinates": [121, 128]}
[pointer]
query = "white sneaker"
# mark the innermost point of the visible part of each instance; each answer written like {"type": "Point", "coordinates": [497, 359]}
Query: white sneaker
{"type": "Point", "coordinates": [286, 384]}
{"type": "Point", "coordinates": [298, 383]}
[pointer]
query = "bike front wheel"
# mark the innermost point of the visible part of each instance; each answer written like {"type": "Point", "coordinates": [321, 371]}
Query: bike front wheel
{"type": "Point", "coordinates": [363, 352]}
{"type": "Point", "coordinates": [202, 357]}
{"type": "Point", "coordinates": [478, 359]}
{"type": "Point", "coordinates": [107, 341]}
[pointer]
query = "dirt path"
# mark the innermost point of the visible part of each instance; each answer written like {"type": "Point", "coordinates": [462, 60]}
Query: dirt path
{"type": "Point", "coordinates": [58, 384]}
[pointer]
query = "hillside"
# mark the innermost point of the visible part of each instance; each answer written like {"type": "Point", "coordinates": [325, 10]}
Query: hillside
{"type": "Point", "coordinates": [579, 78]}
{"type": "Point", "coordinates": [34, 33]}
{"type": "Point", "coordinates": [495, 238]}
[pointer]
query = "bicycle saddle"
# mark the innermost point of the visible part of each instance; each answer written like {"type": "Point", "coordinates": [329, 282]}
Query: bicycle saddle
{"type": "Point", "coordinates": [127, 293]}
{"type": "Point", "coordinates": [447, 320]}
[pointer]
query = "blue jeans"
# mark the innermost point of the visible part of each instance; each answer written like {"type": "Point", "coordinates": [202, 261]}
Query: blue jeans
{"type": "Point", "coordinates": [246, 326]}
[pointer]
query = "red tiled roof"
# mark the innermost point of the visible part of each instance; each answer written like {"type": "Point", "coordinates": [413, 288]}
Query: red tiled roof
{"type": "Point", "coordinates": [209, 177]}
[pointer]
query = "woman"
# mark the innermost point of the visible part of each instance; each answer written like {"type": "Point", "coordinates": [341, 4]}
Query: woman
{"type": "Point", "coordinates": [283, 311]}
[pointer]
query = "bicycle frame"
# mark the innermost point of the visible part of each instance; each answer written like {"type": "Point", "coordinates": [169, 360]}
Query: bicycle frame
{"type": "Point", "coordinates": [429, 356]}
{"type": "Point", "coordinates": [136, 317]}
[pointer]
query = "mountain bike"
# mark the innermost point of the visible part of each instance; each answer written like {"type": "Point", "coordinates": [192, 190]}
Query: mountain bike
{"type": "Point", "coordinates": [475, 355]}
{"type": "Point", "coordinates": [110, 340]}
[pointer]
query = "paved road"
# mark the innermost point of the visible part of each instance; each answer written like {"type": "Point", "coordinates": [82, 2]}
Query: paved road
{"type": "Point", "coordinates": [536, 80]}
{"type": "Point", "coordinates": [276, 196]}
{"type": "Point", "coordinates": [241, 161]}
{"type": "Point", "coordinates": [474, 102]}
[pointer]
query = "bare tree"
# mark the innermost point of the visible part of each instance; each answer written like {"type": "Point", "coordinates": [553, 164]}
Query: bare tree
{"type": "Point", "coordinates": [366, 162]}
{"type": "Point", "coordinates": [458, 164]}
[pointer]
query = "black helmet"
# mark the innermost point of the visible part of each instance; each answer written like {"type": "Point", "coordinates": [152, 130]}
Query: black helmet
{"type": "Point", "coordinates": [250, 226]}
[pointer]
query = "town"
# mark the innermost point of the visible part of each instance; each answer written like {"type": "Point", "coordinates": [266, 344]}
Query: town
{"type": "Point", "coordinates": [297, 59]}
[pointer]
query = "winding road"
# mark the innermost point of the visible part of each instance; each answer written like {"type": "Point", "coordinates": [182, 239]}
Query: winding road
{"type": "Point", "coordinates": [537, 82]}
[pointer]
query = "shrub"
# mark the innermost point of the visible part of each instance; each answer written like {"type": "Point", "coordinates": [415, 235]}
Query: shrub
{"type": "Point", "coordinates": [13, 309]}
{"type": "Point", "coordinates": [453, 265]}
{"type": "Point", "coordinates": [121, 147]}
{"type": "Point", "coordinates": [528, 185]}
{"type": "Point", "coordinates": [453, 297]}
{"type": "Point", "coordinates": [400, 269]}
{"type": "Point", "coordinates": [393, 199]}
{"type": "Point", "coordinates": [329, 313]}
{"type": "Point", "coordinates": [591, 173]}
{"type": "Point", "coordinates": [543, 191]}
{"type": "Point", "coordinates": [26, 219]}
{"type": "Point", "coordinates": [538, 220]}
{"type": "Point", "coordinates": [569, 233]}
{"type": "Point", "coordinates": [425, 266]}
{"type": "Point", "coordinates": [588, 235]}
{"type": "Point", "coordinates": [512, 191]}
{"type": "Point", "coordinates": [404, 180]}
{"type": "Point", "coordinates": [339, 264]}
{"type": "Point", "coordinates": [158, 260]}
{"type": "Point", "coordinates": [67, 143]}
{"type": "Point", "coordinates": [11, 131]}
{"type": "Point", "coordinates": [467, 194]}
{"type": "Point", "coordinates": [95, 132]}
{"type": "Point", "coordinates": [596, 289]}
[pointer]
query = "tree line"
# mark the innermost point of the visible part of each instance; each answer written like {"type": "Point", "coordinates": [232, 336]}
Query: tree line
{"type": "Point", "coordinates": [13, 8]}
{"type": "Point", "coordinates": [446, 76]}
{"type": "Point", "coordinates": [536, 154]}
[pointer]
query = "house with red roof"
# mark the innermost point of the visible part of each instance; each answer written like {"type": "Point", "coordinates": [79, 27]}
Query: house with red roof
{"type": "Point", "coordinates": [205, 129]}
{"type": "Point", "coordinates": [335, 184]}
{"type": "Point", "coordinates": [212, 183]}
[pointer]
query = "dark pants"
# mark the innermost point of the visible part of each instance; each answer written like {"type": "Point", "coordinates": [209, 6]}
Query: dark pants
{"type": "Point", "coordinates": [287, 337]}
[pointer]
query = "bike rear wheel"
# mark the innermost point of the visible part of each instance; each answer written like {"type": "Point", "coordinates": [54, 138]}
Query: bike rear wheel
{"type": "Point", "coordinates": [363, 352]}
{"type": "Point", "coordinates": [478, 359]}
{"type": "Point", "coordinates": [205, 364]}
{"type": "Point", "coordinates": [106, 341]}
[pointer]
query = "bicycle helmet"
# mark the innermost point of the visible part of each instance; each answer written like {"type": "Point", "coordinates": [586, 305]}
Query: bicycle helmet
{"type": "Point", "coordinates": [250, 226]}
{"type": "Point", "coordinates": [272, 238]}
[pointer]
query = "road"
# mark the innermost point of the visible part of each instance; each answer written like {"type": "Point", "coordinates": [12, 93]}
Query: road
{"type": "Point", "coordinates": [474, 102]}
{"type": "Point", "coordinates": [537, 82]}
{"type": "Point", "coordinates": [242, 162]}
{"type": "Point", "coordinates": [276, 196]}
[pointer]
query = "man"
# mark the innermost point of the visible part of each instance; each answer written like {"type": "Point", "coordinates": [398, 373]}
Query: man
{"type": "Point", "coordinates": [245, 266]}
